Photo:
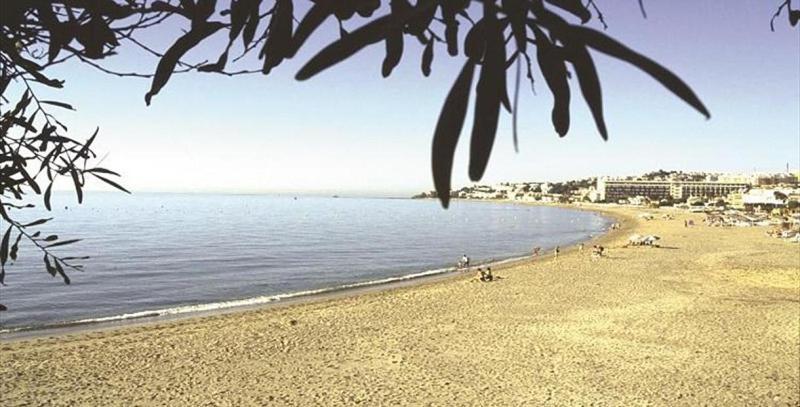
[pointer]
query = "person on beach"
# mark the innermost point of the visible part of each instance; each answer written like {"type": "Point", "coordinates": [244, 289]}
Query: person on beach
{"type": "Point", "coordinates": [580, 247]}
{"type": "Point", "coordinates": [556, 252]}
{"type": "Point", "coordinates": [485, 276]}
{"type": "Point", "coordinates": [464, 262]}
{"type": "Point", "coordinates": [536, 251]}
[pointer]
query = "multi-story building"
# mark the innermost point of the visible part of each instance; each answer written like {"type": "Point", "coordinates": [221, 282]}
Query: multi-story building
{"type": "Point", "coordinates": [616, 189]}
{"type": "Point", "coordinates": [705, 189]}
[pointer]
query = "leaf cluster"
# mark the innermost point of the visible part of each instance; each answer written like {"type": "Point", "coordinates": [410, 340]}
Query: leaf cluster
{"type": "Point", "coordinates": [34, 152]}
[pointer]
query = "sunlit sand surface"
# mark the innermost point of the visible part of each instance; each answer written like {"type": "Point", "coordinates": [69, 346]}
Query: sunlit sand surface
{"type": "Point", "coordinates": [710, 318]}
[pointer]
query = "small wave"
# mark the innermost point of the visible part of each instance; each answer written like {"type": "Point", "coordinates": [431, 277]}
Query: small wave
{"type": "Point", "coordinates": [213, 306]}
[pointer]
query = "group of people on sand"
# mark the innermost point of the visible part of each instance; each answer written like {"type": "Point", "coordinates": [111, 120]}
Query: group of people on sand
{"type": "Point", "coordinates": [485, 275]}
{"type": "Point", "coordinates": [597, 250]}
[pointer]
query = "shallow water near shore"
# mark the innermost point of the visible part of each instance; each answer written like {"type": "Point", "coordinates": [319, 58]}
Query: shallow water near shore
{"type": "Point", "coordinates": [161, 254]}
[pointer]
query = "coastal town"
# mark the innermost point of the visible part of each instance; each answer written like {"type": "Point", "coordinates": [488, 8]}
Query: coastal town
{"type": "Point", "coordinates": [753, 199]}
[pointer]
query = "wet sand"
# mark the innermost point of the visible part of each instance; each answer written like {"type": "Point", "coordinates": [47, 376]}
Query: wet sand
{"type": "Point", "coordinates": [711, 318]}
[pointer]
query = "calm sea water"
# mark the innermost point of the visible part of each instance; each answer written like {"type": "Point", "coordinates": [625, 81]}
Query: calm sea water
{"type": "Point", "coordinates": [173, 253]}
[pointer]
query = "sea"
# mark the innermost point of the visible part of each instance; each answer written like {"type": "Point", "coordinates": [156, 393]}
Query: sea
{"type": "Point", "coordinates": [154, 254]}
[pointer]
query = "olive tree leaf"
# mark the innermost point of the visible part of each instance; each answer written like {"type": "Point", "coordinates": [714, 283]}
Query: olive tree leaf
{"type": "Point", "coordinates": [49, 267]}
{"type": "Point", "coordinates": [253, 19]}
{"type": "Point", "coordinates": [60, 271]}
{"type": "Point", "coordinates": [47, 196]}
{"type": "Point", "coordinates": [574, 7]}
{"type": "Point", "coordinates": [57, 103]}
{"type": "Point", "coordinates": [345, 47]}
{"type": "Point", "coordinates": [315, 16]}
{"type": "Point", "coordinates": [102, 171]}
{"type": "Point", "coordinates": [607, 45]}
{"type": "Point", "coordinates": [554, 71]}
{"type": "Point", "coordinates": [427, 58]}
{"type": "Point", "coordinates": [77, 182]}
{"type": "Point", "coordinates": [279, 42]}
{"type": "Point", "coordinates": [37, 222]}
{"type": "Point", "coordinates": [181, 46]}
{"type": "Point", "coordinates": [394, 52]}
{"type": "Point", "coordinates": [112, 183]}
{"type": "Point", "coordinates": [12, 253]}
{"type": "Point", "coordinates": [63, 243]}
{"type": "Point", "coordinates": [370, 33]}
{"type": "Point", "coordinates": [448, 130]}
{"type": "Point", "coordinates": [238, 13]}
{"type": "Point", "coordinates": [4, 246]}
{"type": "Point", "coordinates": [589, 83]}
{"type": "Point", "coordinates": [576, 53]}
{"type": "Point", "coordinates": [488, 98]}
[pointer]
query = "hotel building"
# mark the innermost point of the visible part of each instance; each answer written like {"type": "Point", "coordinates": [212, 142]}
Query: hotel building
{"type": "Point", "coordinates": [616, 189]}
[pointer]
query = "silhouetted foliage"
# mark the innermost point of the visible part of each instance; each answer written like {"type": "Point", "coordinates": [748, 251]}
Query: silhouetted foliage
{"type": "Point", "coordinates": [33, 148]}
{"type": "Point", "coordinates": [493, 35]}
{"type": "Point", "coordinates": [793, 15]}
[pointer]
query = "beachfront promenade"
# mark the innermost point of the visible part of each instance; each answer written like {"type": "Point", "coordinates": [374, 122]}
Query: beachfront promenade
{"type": "Point", "coordinates": [710, 318]}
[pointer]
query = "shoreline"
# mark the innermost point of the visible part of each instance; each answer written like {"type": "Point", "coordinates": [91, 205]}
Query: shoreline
{"type": "Point", "coordinates": [322, 295]}
{"type": "Point", "coordinates": [708, 318]}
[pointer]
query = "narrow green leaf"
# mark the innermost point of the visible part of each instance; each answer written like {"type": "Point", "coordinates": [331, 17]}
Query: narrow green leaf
{"type": "Point", "coordinates": [49, 267]}
{"type": "Point", "coordinates": [448, 131]}
{"type": "Point", "coordinates": [339, 50]}
{"type": "Point", "coordinates": [47, 196]}
{"type": "Point", "coordinates": [37, 222]}
{"type": "Point", "coordinates": [102, 171]}
{"type": "Point", "coordinates": [61, 272]}
{"type": "Point", "coordinates": [669, 80]}
{"type": "Point", "coordinates": [4, 246]}
{"type": "Point", "coordinates": [77, 182]}
{"type": "Point", "coordinates": [59, 104]}
{"type": "Point", "coordinates": [488, 99]}
{"type": "Point", "coordinates": [14, 248]}
{"type": "Point", "coordinates": [112, 183]}
{"type": "Point", "coordinates": [63, 243]}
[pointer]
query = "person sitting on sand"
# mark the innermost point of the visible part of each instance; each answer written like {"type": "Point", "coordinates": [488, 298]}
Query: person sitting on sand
{"type": "Point", "coordinates": [481, 274]}
{"type": "Point", "coordinates": [536, 251]}
{"type": "Point", "coordinates": [488, 276]}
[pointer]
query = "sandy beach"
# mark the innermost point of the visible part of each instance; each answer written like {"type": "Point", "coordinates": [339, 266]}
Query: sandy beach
{"type": "Point", "coordinates": [710, 318]}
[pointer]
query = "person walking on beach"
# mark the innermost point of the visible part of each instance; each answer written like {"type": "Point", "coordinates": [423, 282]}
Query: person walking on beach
{"type": "Point", "coordinates": [580, 247]}
{"type": "Point", "coordinates": [556, 252]}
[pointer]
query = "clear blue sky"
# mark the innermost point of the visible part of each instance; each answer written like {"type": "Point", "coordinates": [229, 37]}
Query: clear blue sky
{"type": "Point", "coordinates": [350, 131]}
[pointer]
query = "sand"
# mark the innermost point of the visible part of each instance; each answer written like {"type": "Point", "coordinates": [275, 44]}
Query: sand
{"type": "Point", "coordinates": [713, 318]}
